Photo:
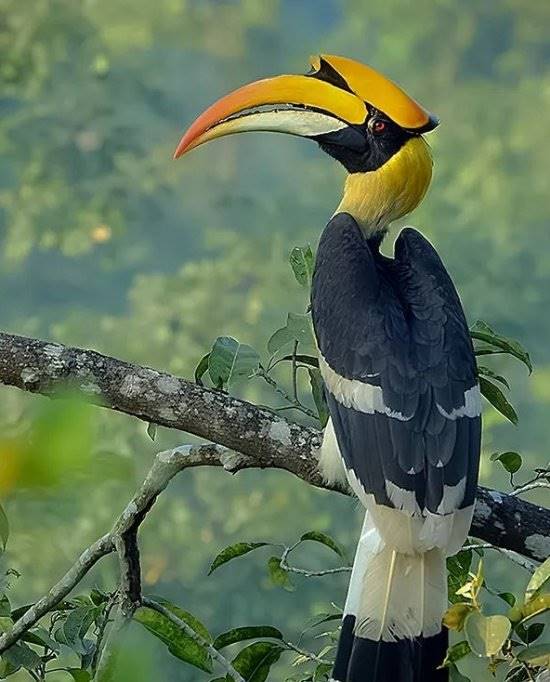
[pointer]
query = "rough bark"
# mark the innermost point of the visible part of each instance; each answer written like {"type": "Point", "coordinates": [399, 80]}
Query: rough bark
{"type": "Point", "coordinates": [261, 438]}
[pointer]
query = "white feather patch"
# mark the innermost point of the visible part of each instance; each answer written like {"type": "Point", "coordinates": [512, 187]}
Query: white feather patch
{"type": "Point", "coordinates": [399, 530]}
{"type": "Point", "coordinates": [448, 531]}
{"type": "Point", "coordinates": [366, 499]}
{"type": "Point", "coordinates": [462, 521]}
{"type": "Point", "coordinates": [331, 464]}
{"type": "Point", "coordinates": [452, 497]}
{"type": "Point", "coordinates": [403, 500]}
{"type": "Point", "coordinates": [403, 596]}
{"type": "Point", "coordinates": [471, 407]}
{"type": "Point", "coordinates": [356, 394]}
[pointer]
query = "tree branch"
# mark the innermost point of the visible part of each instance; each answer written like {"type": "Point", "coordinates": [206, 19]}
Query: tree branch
{"type": "Point", "coordinates": [261, 438]}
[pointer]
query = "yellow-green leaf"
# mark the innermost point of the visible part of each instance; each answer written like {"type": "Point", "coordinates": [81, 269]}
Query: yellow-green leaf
{"type": "Point", "coordinates": [536, 655]}
{"type": "Point", "coordinates": [456, 615]}
{"type": "Point", "coordinates": [179, 644]}
{"type": "Point", "coordinates": [486, 634]}
{"type": "Point", "coordinates": [538, 580]}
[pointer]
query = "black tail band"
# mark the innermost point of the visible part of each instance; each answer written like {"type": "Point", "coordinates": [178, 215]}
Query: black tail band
{"type": "Point", "coordinates": [406, 660]}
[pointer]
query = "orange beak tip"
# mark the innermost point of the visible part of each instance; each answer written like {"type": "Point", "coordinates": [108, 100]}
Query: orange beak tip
{"type": "Point", "coordinates": [182, 147]}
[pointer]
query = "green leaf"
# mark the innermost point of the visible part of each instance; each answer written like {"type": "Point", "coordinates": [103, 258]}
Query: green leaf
{"type": "Point", "coordinates": [187, 617]}
{"type": "Point", "coordinates": [485, 371]}
{"type": "Point", "coordinates": [318, 392]}
{"type": "Point", "coordinates": [179, 644]}
{"type": "Point", "coordinates": [254, 661]}
{"type": "Point", "coordinates": [324, 539]}
{"type": "Point", "coordinates": [455, 653]}
{"type": "Point", "coordinates": [498, 400]}
{"type": "Point", "coordinates": [234, 551]}
{"type": "Point", "coordinates": [529, 634]}
{"type": "Point", "coordinates": [322, 672]}
{"type": "Point", "coordinates": [457, 676]}
{"type": "Point", "coordinates": [4, 528]}
{"type": "Point", "coordinates": [279, 576]}
{"type": "Point", "coordinates": [481, 331]}
{"type": "Point", "coordinates": [538, 580]}
{"type": "Point", "coordinates": [7, 668]}
{"type": "Point", "coordinates": [152, 430]}
{"type": "Point", "coordinates": [486, 634]}
{"type": "Point", "coordinates": [458, 568]}
{"type": "Point", "coordinates": [73, 630]}
{"type": "Point", "coordinates": [298, 328]}
{"type": "Point", "coordinates": [511, 461]}
{"type": "Point", "coordinates": [5, 606]}
{"type": "Point", "coordinates": [310, 360]}
{"type": "Point", "coordinates": [21, 655]}
{"type": "Point", "coordinates": [6, 624]}
{"type": "Point", "coordinates": [79, 675]}
{"type": "Point", "coordinates": [536, 655]}
{"type": "Point", "coordinates": [508, 597]}
{"type": "Point", "coordinates": [40, 637]}
{"type": "Point", "coordinates": [324, 618]}
{"type": "Point", "coordinates": [302, 263]}
{"type": "Point", "coordinates": [230, 361]}
{"type": "Point", "coordinates": [487, 350]}
{"type": "Point", "coordinates": [201, 368]}
{"type": "Point", "coordinates": [97, 597]}
{"type": "Point", "coordinates": [243, 633]}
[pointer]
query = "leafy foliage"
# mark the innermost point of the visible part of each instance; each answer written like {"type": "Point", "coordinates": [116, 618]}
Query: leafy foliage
{"type": "Point", "coordinates": [179, 644]}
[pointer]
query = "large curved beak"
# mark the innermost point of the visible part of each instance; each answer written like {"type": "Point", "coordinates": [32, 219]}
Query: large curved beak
{"type": "Point", "coordinates": [297, 105]}
{"type": "Point", "coordinates": [336, 94]}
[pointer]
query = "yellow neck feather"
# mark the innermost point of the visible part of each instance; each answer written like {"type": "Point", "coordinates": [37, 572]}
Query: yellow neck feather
{"type": "Point", "coordinates": [376, 198]}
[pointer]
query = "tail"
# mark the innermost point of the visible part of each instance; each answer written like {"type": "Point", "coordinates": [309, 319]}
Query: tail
{"type": "Point", "coordinates": [392, 629]}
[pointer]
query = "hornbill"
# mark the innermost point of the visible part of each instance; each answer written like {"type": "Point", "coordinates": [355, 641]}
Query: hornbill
{"type": "Point", "coordinates": [395, 355]}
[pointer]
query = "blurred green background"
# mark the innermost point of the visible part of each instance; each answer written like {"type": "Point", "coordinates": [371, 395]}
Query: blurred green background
{"type": "Point", "coordinates": [107, 243]}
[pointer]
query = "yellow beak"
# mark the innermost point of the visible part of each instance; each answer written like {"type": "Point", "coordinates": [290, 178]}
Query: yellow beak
{"type": "Point", "coordinates": [336, 94]}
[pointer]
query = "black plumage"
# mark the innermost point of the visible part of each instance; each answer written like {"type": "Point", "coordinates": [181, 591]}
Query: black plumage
{"type": "Point", "coordinates": [398, 325]}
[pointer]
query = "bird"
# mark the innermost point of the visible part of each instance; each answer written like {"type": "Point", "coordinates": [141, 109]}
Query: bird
{"type": "Point", "coordinates": [395, 355]}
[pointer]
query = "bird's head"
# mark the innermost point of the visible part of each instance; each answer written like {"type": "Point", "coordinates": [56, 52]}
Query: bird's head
{"type": "Point", "coordinates": [356, 115]}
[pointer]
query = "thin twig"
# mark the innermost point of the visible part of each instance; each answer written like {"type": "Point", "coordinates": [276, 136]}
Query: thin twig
{"type": "Point", "coordinates": [513, 556]}
{"type": "Point", "coordinates": [294, 404]}
{"type": "Point", "coordinates": [529, 486]}
{"type": "Point", "coordinates": [308, 654]}
{"type": "Point", "coordinates": [305, 572]}
{"type": "Point", "coordinates": [294, 373]}
{"type": "Point", "coordinates": [189, 632]}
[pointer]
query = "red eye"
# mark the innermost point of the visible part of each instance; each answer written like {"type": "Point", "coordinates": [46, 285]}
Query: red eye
{"type": "Point", "coordinates": [378, 126]}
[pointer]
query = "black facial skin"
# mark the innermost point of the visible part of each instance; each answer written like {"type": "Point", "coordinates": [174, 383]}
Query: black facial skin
{"type": "Point", "coordinates": [362, 148]}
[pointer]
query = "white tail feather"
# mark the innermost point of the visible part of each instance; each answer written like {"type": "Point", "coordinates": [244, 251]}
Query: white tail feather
{"type": "Point", "coordinates": [370, 543]}
{"type": "Point", "coordinates": [395, 595]}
